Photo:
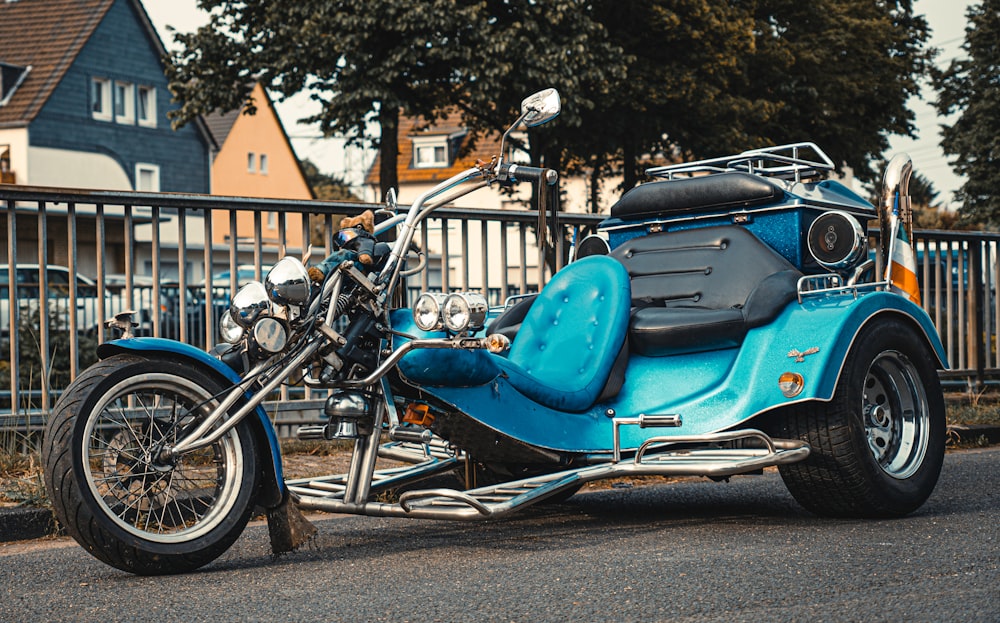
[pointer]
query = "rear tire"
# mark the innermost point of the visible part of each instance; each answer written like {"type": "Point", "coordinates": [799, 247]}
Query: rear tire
{"type": "Point", "coordinates": [878, 446]}
{"type": "Point", "coordinates": [108, 489]}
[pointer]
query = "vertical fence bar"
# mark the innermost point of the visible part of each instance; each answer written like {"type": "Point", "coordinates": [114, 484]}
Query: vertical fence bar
{"type": "Point", "coordinates": [445, 258]}
{"type": "Point", "coordinates": [181, 275]}
{"type": "Point", "coordinates": [233, 243]}
{"type": "Point", "coordinates": [157, 277]}
{"type": "Point", "coordinates": [950, 307]}
{"type": "Point", "coordinates": [523, 257]}
{"type": "Point", "coordinates": [44, 338]}
{"type": "Point", "coordinates": [208, 310]}
{"type": "Point", "coordinates": [258, 243]}
{"type": "Point", "coordinates": [504, 286]}
{"type": "Point", "coordinates": [465, 259]}
{"type": "Point", "coordinates": [74, 341]}
{"type": "Point", "coordinates": [13, 308]}
{"type": "Point", "coordinates": [425, 275]}
{"type": "Point", "coordinates": [102, 258]}
{"type": "Point", "coordinates": [484, 258]}
{"type": "Point", "coordinates": [962, 276]}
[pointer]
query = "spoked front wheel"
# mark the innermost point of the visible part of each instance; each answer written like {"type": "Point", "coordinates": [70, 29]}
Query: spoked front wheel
{"type": "Point", "coordinates": [878, 446]}
{"type": "Point", "coordinates": [111, 486]}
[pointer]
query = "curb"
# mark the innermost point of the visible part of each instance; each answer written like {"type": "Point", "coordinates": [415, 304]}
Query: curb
{"type": "Point", "coordinates": [23, 523]}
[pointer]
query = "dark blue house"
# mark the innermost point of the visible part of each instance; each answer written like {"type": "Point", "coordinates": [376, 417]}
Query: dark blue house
{"type": "Point", "coordinates": [84, 101]}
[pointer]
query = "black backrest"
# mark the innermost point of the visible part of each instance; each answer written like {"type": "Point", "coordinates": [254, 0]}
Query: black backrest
{"type": "Point", "coordinates": [709, 267]}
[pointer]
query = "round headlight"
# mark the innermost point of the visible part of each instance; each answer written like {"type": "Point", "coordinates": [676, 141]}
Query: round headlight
{"type": "Point", "coordinates": [464, 311]}
{"type": "Point", "coordinates": [229, 331]}
{"type": "Point", "coordinates": [427, 311]}
{"type": "Point", "coordinates": [249, 304]}
{"type": "Point", "coordinates": [287, 283]}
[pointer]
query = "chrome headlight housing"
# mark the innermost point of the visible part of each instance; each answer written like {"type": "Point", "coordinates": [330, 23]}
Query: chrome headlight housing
{"type": "Point", "coordinates": [464, 311]}
{"type": "Point", "coordinates": [427, 311]}
{"type": "Point", "coordinates": [249, 304]}
{"type": "Point", "coordinates": [288, 283]}
{"type": "Point", "coordinates": [229, 330]}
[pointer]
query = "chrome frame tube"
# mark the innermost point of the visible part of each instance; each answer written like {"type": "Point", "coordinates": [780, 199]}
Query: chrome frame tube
{"type": "Point", "coordinates": [198, 439]}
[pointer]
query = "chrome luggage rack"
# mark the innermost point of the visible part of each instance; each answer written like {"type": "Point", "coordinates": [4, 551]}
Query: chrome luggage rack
{"type": "Point", "coordinates": [781, 161]}
{"type": "Point", "coordinates": [693, 455]}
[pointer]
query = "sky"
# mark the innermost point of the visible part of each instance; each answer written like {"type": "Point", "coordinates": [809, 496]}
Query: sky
{"type": "Point", "coordinates": [945, 17]}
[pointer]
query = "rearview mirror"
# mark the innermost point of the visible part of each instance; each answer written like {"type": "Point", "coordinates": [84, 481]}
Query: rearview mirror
{"type": "Point", "coordinates": [541, 107]}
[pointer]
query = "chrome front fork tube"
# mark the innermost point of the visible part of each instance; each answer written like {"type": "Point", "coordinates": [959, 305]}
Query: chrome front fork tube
{"type": "Point", "coordinates": [359, 477]}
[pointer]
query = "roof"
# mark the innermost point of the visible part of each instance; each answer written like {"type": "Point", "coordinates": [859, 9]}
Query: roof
{"type": "Point", "coordinates": [46, 36]}
{"type": "Point", "coordinates": [219, 124]}
{"type": "Point", "coordinates": [450, 125]}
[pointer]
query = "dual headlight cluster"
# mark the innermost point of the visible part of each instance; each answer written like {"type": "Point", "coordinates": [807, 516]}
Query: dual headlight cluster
{"type": "Point", "coordinates": [458, 312]}
{"type": "Point", "coordinates": [252, 309]}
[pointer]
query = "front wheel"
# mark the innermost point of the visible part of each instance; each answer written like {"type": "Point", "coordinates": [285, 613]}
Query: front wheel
{"type": "Point", "coordinates": [112, 492]}
{"type": "Point", "coordinates": [878, 446]}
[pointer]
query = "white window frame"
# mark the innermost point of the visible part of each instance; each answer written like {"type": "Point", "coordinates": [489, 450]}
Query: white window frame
{"type": "Point", "coordinates": [262, 160]}
{"type": "Point", "coordinates": [100, 89]}
{"type": "Point", "coordinates": [251, 162]}
{"type": "Point", "coordinates": [145, 167]}
{"type": "Point", "coordinates": [430, 144]}
{"type": "Point", "coordinates": [149, 119]}
{"type": "Point", "coordinates": [125, 96]}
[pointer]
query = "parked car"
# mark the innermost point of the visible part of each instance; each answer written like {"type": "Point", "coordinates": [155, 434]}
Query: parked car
{"type": "Point", "coordinates": [58, 280]}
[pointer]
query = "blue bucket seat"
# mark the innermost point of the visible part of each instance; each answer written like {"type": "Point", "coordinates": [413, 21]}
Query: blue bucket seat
{"type": "Point", "coordinates": [575, 330]}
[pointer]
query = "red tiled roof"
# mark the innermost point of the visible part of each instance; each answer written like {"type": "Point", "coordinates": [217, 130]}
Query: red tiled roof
{"type": "Point", "coordinates": [47, 36]}
{"type": "Point", "coordinates": [451, 123]}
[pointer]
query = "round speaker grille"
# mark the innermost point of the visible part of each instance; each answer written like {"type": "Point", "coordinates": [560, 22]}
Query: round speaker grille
{"type": "Point", "coordinates": [836, 240]}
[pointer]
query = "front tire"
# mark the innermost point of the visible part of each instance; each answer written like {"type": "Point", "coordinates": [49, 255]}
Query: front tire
{"type": "Point", "coordinates": [108, 487]}
{"type": "Point", "coordinates": [878, 446]}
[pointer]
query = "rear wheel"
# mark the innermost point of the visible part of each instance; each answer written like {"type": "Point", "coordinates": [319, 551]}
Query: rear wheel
{"type": "Point", "coordinates": [878, 446]}
{"type": "Point", "coordinates": [114, 494]}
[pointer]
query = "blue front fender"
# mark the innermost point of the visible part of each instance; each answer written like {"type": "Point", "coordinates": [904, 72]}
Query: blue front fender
{"type": "Point", "coordinates": [265, 432]}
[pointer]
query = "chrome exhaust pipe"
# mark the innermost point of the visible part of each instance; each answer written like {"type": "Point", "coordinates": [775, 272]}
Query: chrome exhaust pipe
{"type": "Point", "coordinates": [895, 198]}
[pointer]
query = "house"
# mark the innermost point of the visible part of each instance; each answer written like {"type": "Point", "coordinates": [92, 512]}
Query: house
{"type": "Point", "coordinates": [83, 104]}
{"type": "Point", "coordinates": [256, 159]}
{"type": "Point", "coordinates": [430, 153]}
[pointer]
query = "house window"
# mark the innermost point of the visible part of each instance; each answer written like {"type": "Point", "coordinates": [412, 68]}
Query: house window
{"type": "Point", "coordinates": [430, 152]}
{"type": "Point", "coordinates": [251, 163]}
{"type": "Point", "coordinates": [147, 177]}
{"type": "Point", "coordinates": [272, 220]}
{"type": "Point", "coordinates": [146, 106]}
{"type": "Point", "coordinates": [100, 99]}
{"type": "Point", "coordinates": [124, 102]}
{"type": "Point", "coordinates": [263, 164]}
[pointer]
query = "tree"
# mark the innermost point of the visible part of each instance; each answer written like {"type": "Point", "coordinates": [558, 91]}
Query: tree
{"type": "Point", "coordinates": [971, 86]}
{"type": "Point", "coordinates": [355, 57]}
{"type": "Point", "coordinates": [838, 73]}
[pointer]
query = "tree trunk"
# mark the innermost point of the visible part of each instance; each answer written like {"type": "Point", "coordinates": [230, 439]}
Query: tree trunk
{"type": "Point", "coordinates": [388, 177]}
{"type": "Point", "coordinates": [630, 178]}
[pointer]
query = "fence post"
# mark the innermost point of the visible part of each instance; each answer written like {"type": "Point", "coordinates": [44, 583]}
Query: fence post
{"type": "Point", "coordinates": [974, 334]}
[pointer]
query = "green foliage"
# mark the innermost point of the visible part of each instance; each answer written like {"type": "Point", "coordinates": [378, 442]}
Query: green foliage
{"type": "Point", "coordinates": [327, 187]}
{"type": "Point", "coordinates": [971, 86]}
{"type": "Point", "coordinates": [685, 78]}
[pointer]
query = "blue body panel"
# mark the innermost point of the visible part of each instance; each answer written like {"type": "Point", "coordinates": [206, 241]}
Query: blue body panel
{"type": "Point", "coordinates": [712, 391]}
{"type": "Point", "coordinates": [782, 225]}
{"type": "Point", "coordinates": [160, 345]}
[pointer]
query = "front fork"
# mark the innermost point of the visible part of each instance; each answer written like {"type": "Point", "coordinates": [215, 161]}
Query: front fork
{"type": "Point", "coordinates": [362, 469]}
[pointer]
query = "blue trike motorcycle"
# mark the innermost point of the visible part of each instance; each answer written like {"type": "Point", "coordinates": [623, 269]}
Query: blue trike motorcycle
{"type": "Point", "coordinates": [727, 318]}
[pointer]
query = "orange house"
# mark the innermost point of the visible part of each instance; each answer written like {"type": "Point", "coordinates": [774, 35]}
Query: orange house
{"type": "Point", "coordinates": [256, 160]}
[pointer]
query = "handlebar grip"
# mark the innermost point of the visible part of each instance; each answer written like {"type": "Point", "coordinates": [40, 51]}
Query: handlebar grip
{"type": "Point", "coordinates": [523, 173]}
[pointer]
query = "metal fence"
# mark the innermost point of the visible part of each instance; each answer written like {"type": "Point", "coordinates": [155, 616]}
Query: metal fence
{"type": "Point", "coordinates": [107, 239]}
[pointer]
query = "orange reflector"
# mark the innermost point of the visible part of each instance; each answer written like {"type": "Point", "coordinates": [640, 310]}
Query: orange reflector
{"type": "Point", "coordinates": [419, 414]}
{"type": "Point", "coordinates": [791, 384]}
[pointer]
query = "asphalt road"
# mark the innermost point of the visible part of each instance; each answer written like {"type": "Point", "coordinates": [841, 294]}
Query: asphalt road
{"type": "Point", "coordinates": [692, 551]}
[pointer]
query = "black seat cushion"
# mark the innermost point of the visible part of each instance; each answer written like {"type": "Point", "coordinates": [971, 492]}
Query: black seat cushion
{"type": "Point", "coordinates": [702, 289]}
{"type": "Point", "coordinates": [696, 194]}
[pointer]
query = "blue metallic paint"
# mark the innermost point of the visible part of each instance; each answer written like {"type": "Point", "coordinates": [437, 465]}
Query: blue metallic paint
{"type": "Point", "coordinates": [712, 391]}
